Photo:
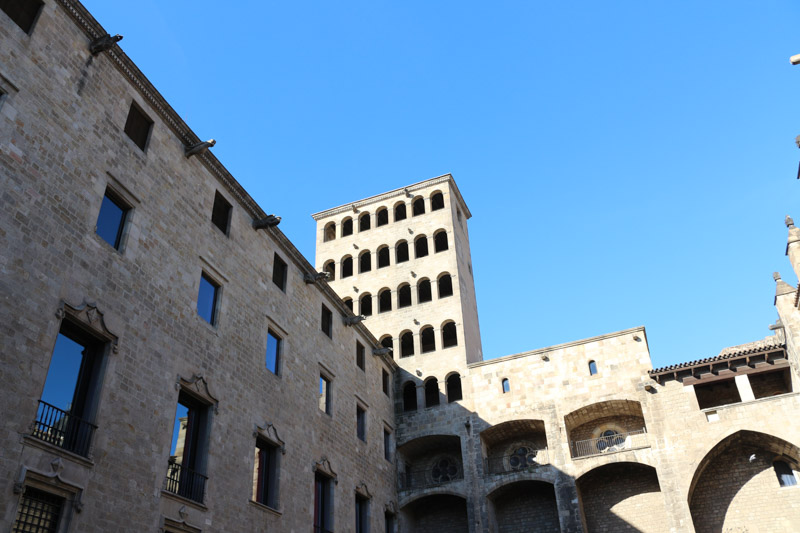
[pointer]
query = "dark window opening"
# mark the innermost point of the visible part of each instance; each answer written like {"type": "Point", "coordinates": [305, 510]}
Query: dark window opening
{"type": "Point", "coordinates": [360, 359]}
{"type": "Point", "coordinates": [449, 335]}
{"type": "Point", "coordinates": [388, 519]}
{"type": "Point", "coordinates": [424, 291]}
{"type": "Point", "coordinates": [323, 504]}
{"type": "Point", "coordinates": [349, 303]}
{"type": "Point", "coordinates": [329, 233]}
{"type": "Point", "coordinates": [383, 257]}
{"type": "Point", "coordinates": [22, 12]}
{"type": "Point", "coordinates": [347, 267]}
{"type": "Point", "coordinates": [431, 392]}
{"type": "Point", "coordinates": [364, 222]}
{"type": "Point", "coordinates": [768, 384]}
{"type": "Point", "coordinates": [406, 344]}
{"type": "Point", "coordinates": [399, 212]}
{"type": "Point", "coordinates": [437, 201]}
{"type": "Point", "coordinates": [506, 386]}
{"type": "Point", "coordinates": [347, 227]}
{"type": "Point", "coordinates": [384, 301]}
{"type": "Point", "coordinates": [361, 423]}
{"type": "Point", "coordinates": [362, 514]}
{"type": "Point", "coordinates": [387, 342]}
{"type": "Point", "coordinates": [138, 126]}
{"type": "Point", "coordinates": [265, 475]}
{"type": "Point", "coordinates": [387, 444]}
{"type": "Point", "coordinates": [111, 220]}
{"type": "Point", "coordinates": [324, 395]}
{"type": "Point", "coordinates": [445, 286]}
{"type": "Point", "coordinates": [38, 512]}
{"type": "Point", "coordinates": [365, 304]}
{"type": "Point", "coordinates": [382, 217]}
{"type": "Point", "coordinates": [274, 345]}
{"type": "Point", "coordinates": [221, 213]}
{"type": "Point", "coordinates": [440, 242]}
{"type": "Point", "coordinates": [454, 388]}
{"type": "Point", "coordinates": [409, 397]}
{"type": "Point", "coordinates": [717, 393]}
{"type": "Point", "coordinates": [421, 247]}
{"type": "Point", "coordinates": [208, 299]}
{"type": "Point", "coordinates": [404, 296]}
{"type": "Point", "coordinates": [279, 272]}
{"type": "Point", "coordinates": [187, 462]}
{"type": "Point", "coordinates": [385, 382]}
{"type": "Point", "coordinates": [401, 251]}
{"type": "Point", "coordinates": [365, 262]}
{"type": "Point", "coordinates": [428, 340]}
{"type": "Point", "coordinates": [330, 268]}
{"type": "Point", "coordinates": [592, 368]}
{"type": "Point", "coordinates": [327, 321]}
{"type": "Point", "coordinates": [786, 477]}
{"type": "Point", "coordinates": [418, 207]}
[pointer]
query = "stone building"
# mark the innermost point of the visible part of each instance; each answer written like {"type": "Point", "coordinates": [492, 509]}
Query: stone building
{"type": "Point", "coordinates": [172, 363]}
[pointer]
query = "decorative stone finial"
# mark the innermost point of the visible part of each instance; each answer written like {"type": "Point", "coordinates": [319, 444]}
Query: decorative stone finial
{"type": "Point", "coordinates": [797, 141]}
{"type": "Point", "coordinates": [788, 221]}
{"type": "Point", "coordinates": [776, 276]}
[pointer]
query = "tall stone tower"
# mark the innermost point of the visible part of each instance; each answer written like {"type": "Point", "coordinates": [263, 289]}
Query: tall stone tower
{"type": "Point", "coordinates": [402, 259]}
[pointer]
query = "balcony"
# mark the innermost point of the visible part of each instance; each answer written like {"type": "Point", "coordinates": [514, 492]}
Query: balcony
{"type": "Point", "coordinates": [62, 429]}
{"type": "Point", "coordinates": [523, 459]}
{"type": "Point", "coordinates": [185, 482]}
{"type": "Point", "coordinates": [610, 442]}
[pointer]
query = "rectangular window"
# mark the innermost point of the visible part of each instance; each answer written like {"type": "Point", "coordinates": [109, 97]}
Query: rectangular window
{"type": "Point", "coordinates": [111, 220]}
{"type": "Point", "coordinates": [221, 213]}
{"type": "Point", "coordinates": [323, 504]}
{"type": "Point", "coordinates": [187, 462]}
{"type": "Point", "coordinates": [360, 355]}
{"type": "Point", "coordinates": [387, 444]}
{"type": "Point", "coordinates": [38, 512]}
{"type": "Point", "coordinates": [279, 271]}
{"type": "Point", "coordinates": [71, 391]}
{"type": "Point", "coordinates": [274, 345]}
{"type": "Point", "coordinates": [388, 519]}
{"type": "Point", "coordinates": [325, 394]}
{"type": "Point", "coordinates": [138, 126]}
{"type": "Point", "coordinates": [265, 475]}
{"type": "Point", "coordinates": [327, 321]}
{"type": "Point", "coordinates": [361, 423]}
{"type": "Point", "coordinates": [22, 12]}
{"type": "Point", "coordinates": [385, 380]}
{"type": "Point", "coordinates": [362, 514]}
{"type": "Point", "coordinates": [207, 299]}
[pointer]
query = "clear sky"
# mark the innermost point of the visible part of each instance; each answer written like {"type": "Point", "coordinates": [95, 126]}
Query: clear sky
{"type": "Point", "coordinates": [626, 163]}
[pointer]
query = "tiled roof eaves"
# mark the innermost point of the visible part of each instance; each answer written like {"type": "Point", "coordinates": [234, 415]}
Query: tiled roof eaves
{"type": "Point", "coordinates": [720, 357]}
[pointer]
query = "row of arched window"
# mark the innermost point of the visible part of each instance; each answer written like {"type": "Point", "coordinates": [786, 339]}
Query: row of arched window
{"type": "Point", "coordinates": [444, 285]}
{"type": "Point", "coordinates": [401, 255]}
{"type": "Point", "coordinates": [431, 387]}
{"type": "Point", "coordinates": [382, 216]}
{"type": "Point", "coordinates": [427, 339]}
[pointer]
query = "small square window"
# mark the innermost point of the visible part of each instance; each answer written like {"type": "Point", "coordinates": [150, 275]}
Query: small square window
{"type": "Point", "coordinates": [22, 12]}
{"type": "Point", "coordinates": [387, 444]}
{"type": "Point", "coordinates": [274, 348]}
{"type": "Point", "coordinates": [361, 423]}
{"type": "Point", "coordinates": [265, 475]}
{"type": "Point", "coordinates": [207, 299]}
{"type": "Point", "coordinates": [279, 271]}
{"type": "Point", "coordinates": [138, 126]}
{"type": "Point", "coordinates": [38, 511]}
{"type": "Point", "coordinates": [385, 380]}
{"type": "Point", "coordinates": [360, 355]}
{"type": "Point", "coordinates": [324, 394]}
{"type": "Point", "coordinates": [327, 321]}
{"type": "Point", "coordinates": [221, 213]}
{"type": "Point", "coordinates": [111, 220]}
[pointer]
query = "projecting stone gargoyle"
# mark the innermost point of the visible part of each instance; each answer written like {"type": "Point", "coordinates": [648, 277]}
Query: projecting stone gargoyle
{"type": "Point", "coordinates": [198, 148]}
{"type": "Point", "coordinates": [352, 320]}
{"type": "Point", "coordinates": [313, 278]}
{"type": "Point", "coordinates": [266, 222]}
{"type": "Point", "coordinates": [382, 351]}
{"type": "Point", "coordinates": [101, 44]}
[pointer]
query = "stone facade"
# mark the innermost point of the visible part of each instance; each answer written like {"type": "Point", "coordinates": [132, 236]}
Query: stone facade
{"type": "Point", "coordinates": [582, 436]}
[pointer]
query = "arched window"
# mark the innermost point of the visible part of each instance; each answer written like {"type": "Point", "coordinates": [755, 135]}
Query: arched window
{"type": "Point", "coordinates": [387, 341]}
{"type": "Point", "coordinates": [383, 256]}
{"type": "Point", "coordinates": [418, 206]}
{"type": "Point", "coordinates": [786, 476]}
{"type": "Point", "coordinates": [409, 397]}
{"type": "Point", "coordinates": [437, 201]}
{"type": "Point", "coordinates": [381, 217]}
{"type": "Point", "coordinates": [347, 227]}
{"type": "Point", "coordinates": [349, 303]}
{"type": "Point", "coordinates": [365, 304]}
{"type": "Point", "coordinates": [403, 295]}
{"type": "Point", "coordinates": [365, 262]}
{"type": "Point", "coordinates": [449, 335]}
{"type": "Point", "coordinates": [440, 241]}
{"type": "Point", "coordinates": [347, 267]}
{"type": "Point", "coordinates": [424, 291]}
{"type": "Point", "coordinates": [506, 386]}
{"type": "Point", "coordinates": [445, 285]}
{"type": "Point", "coordinates": [406, 344]}
{"type": "Point", "coordinates": [431, 392]}
{"type": "Point", "coordinates": [592, 368]}
{"type": "Point", "coordinates": [427, 339]}
{"type": "Point", "coordinates": [421, 246]}
{"type": "Point", "coordinates": [330, 268]}
{"type": "Point", "coordinates": [399, 212]}
{"type": "Point", "coordinates": [453, 388]}
{"type": "Point", "coordinates": [401, 252]}
{"type": "Point", "coordinates": [384, 301]}
{"type": "Point", "coordinates": [363, 222]}
{"type": "Point", "coordinates": [330, 232]}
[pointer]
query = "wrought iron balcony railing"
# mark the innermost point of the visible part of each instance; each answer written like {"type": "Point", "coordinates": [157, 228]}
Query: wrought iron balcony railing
{"type": "Point", "coordinates": [185, 482]}
{"type": "Point", "coordinates": [524, 460]}
{"type": "Point", "coordinates": [65, 430]}
{"type": "Point", "coordinates": [610, 442]}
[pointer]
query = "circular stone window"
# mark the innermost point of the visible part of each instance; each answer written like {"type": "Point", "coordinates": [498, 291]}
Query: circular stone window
{"type": "Point", "coordinates": [609, 439]}
{"type": "Point", "coordinates": [522, 458]}
{"type": "Point", "coordinates": [444, 469]}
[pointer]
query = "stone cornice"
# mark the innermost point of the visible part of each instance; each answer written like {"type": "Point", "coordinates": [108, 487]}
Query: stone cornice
{"type": "Point", "coordinates": [445, 178]}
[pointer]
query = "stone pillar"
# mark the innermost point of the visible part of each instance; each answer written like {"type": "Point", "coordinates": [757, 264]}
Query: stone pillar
{"type": "Point", "coordinates": [745, 390]}
{"type": "Point", "coordinates": [568, 505]}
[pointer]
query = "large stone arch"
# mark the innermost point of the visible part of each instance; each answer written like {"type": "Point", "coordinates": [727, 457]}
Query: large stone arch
{"type": "Point", "coordinates": [622, 496]}
{"type": "Point", "coordinates": [734, 487]}
{"type": "Point", "coordinates": [524, 506]}
{"type": "Point", "coordinates": [435, 513]}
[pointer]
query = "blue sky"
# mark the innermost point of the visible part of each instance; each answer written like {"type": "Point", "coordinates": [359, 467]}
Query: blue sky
{"type": "Point", "coordinates": [626, 163]}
